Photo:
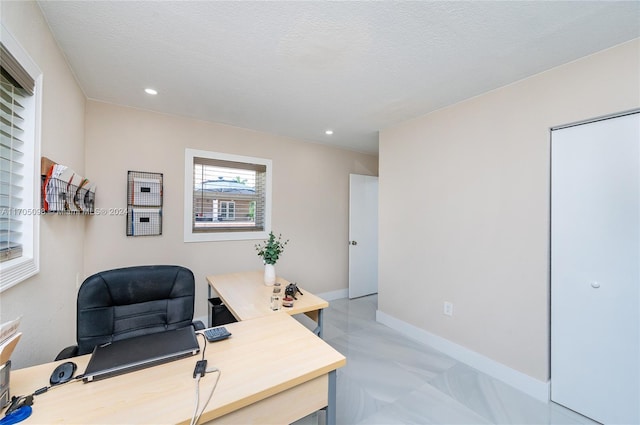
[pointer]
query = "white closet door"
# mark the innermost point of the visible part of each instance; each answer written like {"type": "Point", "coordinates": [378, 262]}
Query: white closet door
{"type": "Point", "coordinates": [595, 269]}
{"type": "Point", "coordinates": [363, 235]}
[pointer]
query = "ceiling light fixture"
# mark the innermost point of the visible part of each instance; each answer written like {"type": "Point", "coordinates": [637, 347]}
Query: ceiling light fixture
{"type": "Point", "coordinates": [328, 132]}
{"type": "Point", "coordinates": [151, 91]}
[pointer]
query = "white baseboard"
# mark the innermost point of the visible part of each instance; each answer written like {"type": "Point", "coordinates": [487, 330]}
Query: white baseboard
{"type": "Point", "coordinates": [334, 295]}
{"type": "Point", "coordinates": [525, 383]}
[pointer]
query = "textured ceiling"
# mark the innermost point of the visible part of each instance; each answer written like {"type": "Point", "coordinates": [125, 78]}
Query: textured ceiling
{"type": "Point", "coordinates": [298, 68]}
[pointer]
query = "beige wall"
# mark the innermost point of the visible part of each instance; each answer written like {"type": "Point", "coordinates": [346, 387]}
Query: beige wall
{"type": "Point", "coordinates": [310, 197]}
{"type": "Point", "coordinates": [478, 234]}
{"type": "Point", "coordinates": [47, 301]}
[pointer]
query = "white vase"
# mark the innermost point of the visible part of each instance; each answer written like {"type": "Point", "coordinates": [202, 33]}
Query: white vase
{"type": "Point", "coordinates": [269, 274]}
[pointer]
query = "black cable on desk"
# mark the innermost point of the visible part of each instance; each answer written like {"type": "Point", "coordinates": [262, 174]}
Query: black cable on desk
{"type": "Point", "coordinates": [205, 344]}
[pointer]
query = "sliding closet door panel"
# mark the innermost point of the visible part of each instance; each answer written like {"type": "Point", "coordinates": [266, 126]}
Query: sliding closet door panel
{"type": "Point", "coordinates": [595, 269]}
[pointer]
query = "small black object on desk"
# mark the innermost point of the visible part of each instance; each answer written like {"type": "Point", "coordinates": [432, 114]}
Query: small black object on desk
{"type": "Point", "coordinates": [63, 373]}
{"type": "Point", "coordinates": [216, 334]}
{"type": "Point", "coordinates": [291, 290]}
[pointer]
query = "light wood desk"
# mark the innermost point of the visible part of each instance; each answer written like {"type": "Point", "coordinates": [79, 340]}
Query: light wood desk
{"type": "Point", "coordinates": [274, 371]}
{"type": "Point", "coordinates": [247, 297]}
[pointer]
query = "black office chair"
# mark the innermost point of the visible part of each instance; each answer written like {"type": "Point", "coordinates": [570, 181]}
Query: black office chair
{"type": "Point", "coordinates": [132, 301]}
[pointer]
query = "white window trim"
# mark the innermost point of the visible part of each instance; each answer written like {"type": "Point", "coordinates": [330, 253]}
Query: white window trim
{"type": "Point", "coordinates": [19, 269]}
{"type": "Point", "coordinates": [189, 235]}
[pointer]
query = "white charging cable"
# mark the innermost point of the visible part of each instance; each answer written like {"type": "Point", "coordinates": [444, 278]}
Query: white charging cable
{"type": "Point", "coordinates": [196, 416]}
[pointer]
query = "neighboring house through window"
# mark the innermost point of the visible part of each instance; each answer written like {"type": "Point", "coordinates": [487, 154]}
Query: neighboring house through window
{"type": "Point", "coordinates": [227, 197]}
{"type": "Point", "coordinates": [20, 104]}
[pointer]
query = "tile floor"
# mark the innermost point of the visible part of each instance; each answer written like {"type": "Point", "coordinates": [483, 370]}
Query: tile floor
{"type": "Point", "coordinates": [391, 379]}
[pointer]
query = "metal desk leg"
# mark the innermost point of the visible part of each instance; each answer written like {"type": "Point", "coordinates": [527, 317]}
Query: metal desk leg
{"type": "Point", "coordinates": [320, 322]}
{"type": "Point", "coordinates": [331, 406]}
{"type": "Point", "coordinates": [209, 308]}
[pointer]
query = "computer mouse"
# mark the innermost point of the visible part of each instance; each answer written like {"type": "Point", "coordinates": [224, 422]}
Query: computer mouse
{"type": "Point", "coordinates": [63, 373]}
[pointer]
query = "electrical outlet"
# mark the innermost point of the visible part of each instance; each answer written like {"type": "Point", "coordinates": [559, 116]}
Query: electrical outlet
{"type": "Point", "coordinates": [448, 308]}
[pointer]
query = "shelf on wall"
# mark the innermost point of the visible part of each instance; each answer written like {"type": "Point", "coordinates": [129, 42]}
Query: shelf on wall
{"type": "Point", "coordinates": [63, 191]}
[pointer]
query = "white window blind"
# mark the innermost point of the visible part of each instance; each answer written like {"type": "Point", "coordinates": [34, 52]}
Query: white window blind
{"type": "Point", "coordinates": [12, 167]}
{"type": "Point", "coordinates": [227, 197]}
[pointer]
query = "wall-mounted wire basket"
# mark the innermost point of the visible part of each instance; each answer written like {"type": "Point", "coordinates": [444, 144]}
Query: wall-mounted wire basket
{"type": "Point", "coordinates": [144, 203]}
{"type": "Point", "coordinates": [64, 191]}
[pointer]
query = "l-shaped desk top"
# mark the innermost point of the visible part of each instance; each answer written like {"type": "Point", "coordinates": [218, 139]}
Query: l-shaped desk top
{"type": "Point", "coordinates": [247, 297]}
{"type": "Point", "coordinates": [273, 370]}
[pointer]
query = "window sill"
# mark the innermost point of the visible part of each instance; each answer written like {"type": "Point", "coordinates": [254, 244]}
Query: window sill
{"type": "Point", "coordinates": [17, 270]}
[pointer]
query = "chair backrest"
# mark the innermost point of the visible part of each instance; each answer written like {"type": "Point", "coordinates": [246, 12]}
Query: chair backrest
{"type": "Point", "coordinates": [131, 301]}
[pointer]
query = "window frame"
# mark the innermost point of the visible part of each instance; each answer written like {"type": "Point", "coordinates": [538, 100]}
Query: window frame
{"type": "Point", "coordinates": [17, 270]}
{"type": "Point", "coordinates": [189, 234]}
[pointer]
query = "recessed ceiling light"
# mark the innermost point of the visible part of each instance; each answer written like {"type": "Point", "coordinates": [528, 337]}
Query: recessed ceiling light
{"type": "Point", "coordinates": [151, 91]}
{"type": "Point", "coordinates": [328, 132]}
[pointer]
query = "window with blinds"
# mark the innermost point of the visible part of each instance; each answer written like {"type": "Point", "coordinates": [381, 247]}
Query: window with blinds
{"type": "Point", "coordinates": [20, 105]}
{"type": "Point", "coordinates": [11, 166]}
{"type": "Point", "coordinates": [229, 195]}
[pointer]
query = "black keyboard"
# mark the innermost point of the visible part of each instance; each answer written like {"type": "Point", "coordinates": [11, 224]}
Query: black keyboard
{"type": "Point", "coordinates": [216, 334]}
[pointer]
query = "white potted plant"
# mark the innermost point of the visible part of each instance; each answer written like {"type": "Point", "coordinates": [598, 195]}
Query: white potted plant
{"type": "Point", "coordinates": [270, 251]}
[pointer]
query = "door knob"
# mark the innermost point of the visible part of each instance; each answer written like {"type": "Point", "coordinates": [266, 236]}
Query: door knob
{"type": "Point", "coordinates": [595, 285]}
{"type": "Point", "coordinates": [353, 243]}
